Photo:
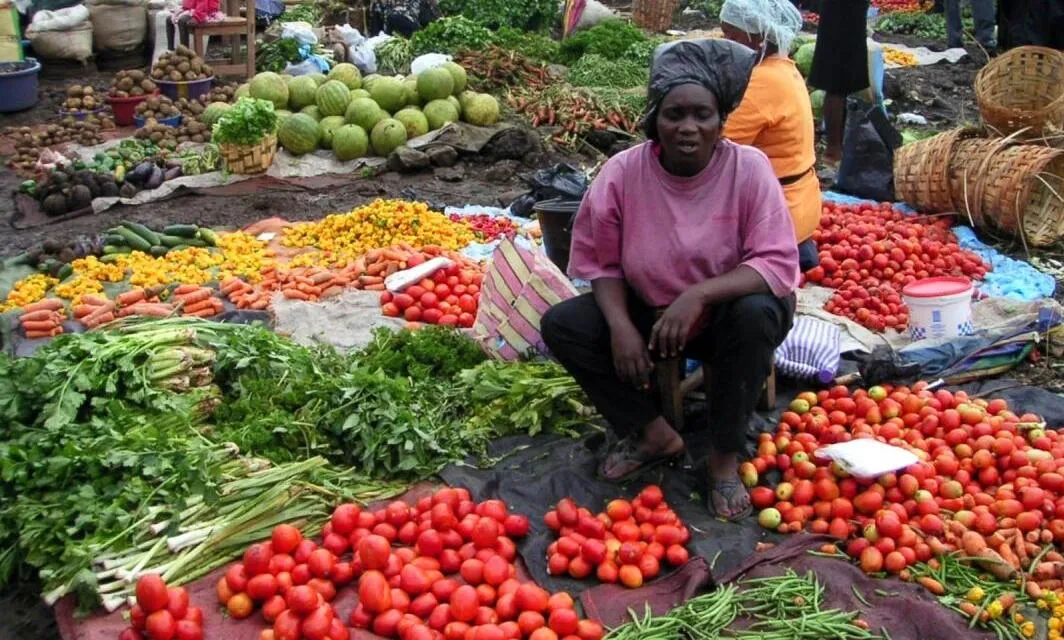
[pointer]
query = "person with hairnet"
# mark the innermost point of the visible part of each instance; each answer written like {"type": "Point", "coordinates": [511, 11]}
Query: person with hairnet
{"type": "Point", "coordinates": [776, 115]}
{"type": "Point", "coordinates": [689, 246]}
{"type": "Point", "coordinates": [840, 64]}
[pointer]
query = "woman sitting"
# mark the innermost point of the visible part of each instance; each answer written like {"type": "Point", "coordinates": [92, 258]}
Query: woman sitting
{"type": "Point", "coordinates": [695, 227]}
{"type": "Point", "coordinates": [775, 115]}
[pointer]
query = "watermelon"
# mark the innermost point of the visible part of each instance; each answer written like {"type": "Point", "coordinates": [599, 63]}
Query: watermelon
{"type": "Point", "coordinates": [346, 73]}
{"type": "Point", "coordinates": [332, 98]}
{"type": "Point", "coordinates": [328, 125]}
{"type": "Point", "coordinates": [349, 142]}
{"type": "Point", "coordinates": [301, 92]}
{"type": "Point", "coordinates": [213, 112]}
{"type": "Point", "coordinates": [299, 134]}
{"type": "Point", "coordinates": [270, 86]}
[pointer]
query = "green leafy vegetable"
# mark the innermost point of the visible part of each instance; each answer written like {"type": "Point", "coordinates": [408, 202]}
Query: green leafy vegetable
{"type": "Point", "coordinates": [246, 122]}
{"type": "Point", "coordinates": [277, 55]}
{"type": "Point", "coordinates": [525, 14]}
{"type": "Point", "coordinates": [450, 35]}
{"type": "Point", "coordinates": [538, 46]}
{"type": "Point", "coordinates": [596, 71]}
{"type": "Point", "coordinates": [310, 13]}
{"type": "Point", "coordinates": [609, 39]}
{"type": "Point", "coordinates": [394, 56]}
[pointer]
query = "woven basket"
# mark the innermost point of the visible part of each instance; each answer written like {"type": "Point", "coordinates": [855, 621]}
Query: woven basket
{"type": "Point", "coordinates": [249, 159]}
{"type": "Point", "coordinates": [1012, 187]}
{"type": "Point", "coordinates": [1023, 89]}
{"type": "Point", "coordinates": [654, 15]}
{"type": "Point", "coordinates": [921, 171]}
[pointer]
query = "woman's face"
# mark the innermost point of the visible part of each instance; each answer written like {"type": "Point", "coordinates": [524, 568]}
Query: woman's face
{"type": "Point", "coordinates": [689, 127]}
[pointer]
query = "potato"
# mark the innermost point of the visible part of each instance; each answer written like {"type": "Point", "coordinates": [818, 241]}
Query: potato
{"type": "Point", "coordinates": [74, 91]}
{"type": "Point", "coordinates": [175, 76]}
{"type": "Point", "coordinates": [158, 74]}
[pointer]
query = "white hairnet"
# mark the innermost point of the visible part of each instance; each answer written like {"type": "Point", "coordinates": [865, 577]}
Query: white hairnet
{"type": "Point", "coordinates": [778, 21]}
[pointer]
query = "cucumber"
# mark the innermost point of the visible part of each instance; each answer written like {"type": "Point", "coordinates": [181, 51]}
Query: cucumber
{"type": "Point", "coordinates": [110, 257]}
{"type": "Point", "coordinates": [48, 266]}
{"type": "Point", "coordinates": [209, 236]}
{"type": "Point", "coordinates": [170, 241]}
{"type": "Point", "coordinates": [195, 242]}
{"type": "Point", "coordinates": [134, 240]}
{"type": "Point", "coordinates": [110, 249]}
{"type": "Point", "coordinates": [181, 230]}
{"type": "Point", "coordinates": [149, 236]}
{"type": "Point", "coordinates": [114, 238]}
{"type": "Point", "coordinates": [65, 271]}
{"type": "Point", "coordinates": [159, 251]}
{"type": "Point", "coordinates": [19, 260]}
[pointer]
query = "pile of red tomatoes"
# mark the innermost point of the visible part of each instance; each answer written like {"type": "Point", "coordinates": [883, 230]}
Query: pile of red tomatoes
{"type": "Point", "coordinates": [442, 569]}
{"type": "Point", "coordinates": [899, 6]}
{"type": "Point", "coordinates": [868, 253]}
{"type": "Point", "coordinates": [162, 613]}
{"type": "Point", "coordinates": [983, 470]}
{"type": "Point", "coordinates": [486, 227]}
{"type": "Point", "coordinates": [626, 543]}
{"type": "Point", "coordinates": [449, 297]}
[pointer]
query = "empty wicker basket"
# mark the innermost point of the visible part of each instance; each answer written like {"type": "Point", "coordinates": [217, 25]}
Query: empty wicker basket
{"type": "Point", "coordinates": [249, 159]}
{"type": "Point", "coordinates": [1013, 187]}
{"type": "Point", "coordinates": [921, 171]}
{"type": "Point", "coordinates": [654, 15]}
{"type": "Point", "coordinates": [1023, 89]}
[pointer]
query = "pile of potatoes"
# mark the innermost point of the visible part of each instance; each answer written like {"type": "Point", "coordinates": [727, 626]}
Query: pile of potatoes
{"type": "Point", "coordinates": [163, 135]}
{"type": "Point", "coordinates": [81, 98]}
{"type": "Point", "coordinates": [219, 94]}
{"type": "Point", "coordinates": [157, 107]}
{"type": "Point", "coordinates": [181, 65]}
{"type": "Point", "coordinates": [31, 141]}
{"type": "Point", "coordinates": [127, 84]}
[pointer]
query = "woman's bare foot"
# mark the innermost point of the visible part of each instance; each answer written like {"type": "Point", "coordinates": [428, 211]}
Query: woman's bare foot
{"type": "Point", "coordinates": [728, 497]}
{"type": "Point", "coordinates": [660, 443]}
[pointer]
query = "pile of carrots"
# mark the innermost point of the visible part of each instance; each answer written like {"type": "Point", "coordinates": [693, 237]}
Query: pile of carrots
{"type": "Point", "coordinates": [367, 273]}
{"type": "Point", "coordinates": [43, 319]}
{"type": "Point", "coordinates": [194, 300]}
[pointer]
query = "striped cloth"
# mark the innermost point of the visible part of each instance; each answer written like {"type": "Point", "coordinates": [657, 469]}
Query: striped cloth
{"type": "Point", "coordinates": [810, 351]}
{"type": "Point", "coordinates": [519, 286]}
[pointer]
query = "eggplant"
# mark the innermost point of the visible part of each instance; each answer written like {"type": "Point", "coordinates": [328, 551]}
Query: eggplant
{"type": "Point", "coordinates": [156, 178]}
{"type": "Point", "coordinates": [141, 173]}
{"type": "Point", "coordinates": [172, 172]}
{"type": "Point", "coordinates": [173, 164]}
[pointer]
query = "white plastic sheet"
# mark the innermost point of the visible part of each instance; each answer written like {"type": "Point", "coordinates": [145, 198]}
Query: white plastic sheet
{"type": "Point", "coordinates": [868, 458]}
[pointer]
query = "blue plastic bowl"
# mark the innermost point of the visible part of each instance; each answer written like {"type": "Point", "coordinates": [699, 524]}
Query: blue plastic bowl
{"type": "Point", "coordinates": [172, 121]}
{"type": "Point", "coordinates": [18, 89]}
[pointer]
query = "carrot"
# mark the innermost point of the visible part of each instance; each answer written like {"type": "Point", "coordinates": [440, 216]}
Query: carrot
{"type": "Point", "coordinates": [375, 268]}
{"type": "Point", "coordinates": [368, 280]}
{"type": "Point", "coordinates": [44, 334]}
{"type": "Point", "coordinates": [203, 313]}
{"type": "Point", "coordinates": [374, 254]}
{"type": "Point", "coordinates": [96, 321]}
{"type": "Point", "coordinates": [322, 277]}
{"type": "Point", "coordinates": [1032, 536]}
{"type": "Point", "coordinates": [149, 309]}
{"type": "Point", "coordinates": [1054, 556]}
{"type": "Point", "coordinates": [374, 287]}
{"type": "Point", "coordinates": [829, 548]}
{"type": "Point", "coordinates": [995, 540]}
{"type": "Point", "coordinates": [260, 304]}
{"type": "Point", "coordinates": [970, 609]}
{"type": "Point", "coordinates": [1033, 590]}
{"type": "Point", "coordinates": [332, 291]}
{"type": "Point", "coordinates": [194, 297]}
{"type": "Point", "coordinates": [392, 254]}
{"type": "Point", "coordinates": [992, 562]}
{"type": "Point", "coordinates": [341, 281]}
{"type": "Point", "coordinates": [957, 528]}
{"type": "Point", "coordinates": [1009, 556]}
{"type": "Point", "coordinates": [973, 543]}
{"type": "Point", "coordinates": [198, 306]}
{"type": "Point", "coordinates": [35, 316]}
{"type": "Point", "coordinates": [932, 585]}
{"type": "Point", "coordinates": [186, 289]}
{"type": "Point", "coordinates": [1021, 550]}
{"type": "Point", "coordinates": [1051, 585]}
{"type": "Point", "coordinates": [934, 563]}
{"type": "Point", "coordinates": [48, 304]}
{"type": "Point", "coordinates": [40, 325]}
{"type": "Point", "coordinates": [130, 297]}
{"type": "Point", "coordinates": [1044, 570]}
{"type": "Point", "coordinates": [390, 269]}
{"type": "Point", "coordinates": [294, 294]}
{"type": "Point", "coordinates": [905, 575]}
{"type": "Point", "coordinates": [1047, 536]}
{"type": "Point", "coordinates": [89, 298]}
{"type": "Point", "coordinates": [1007, 600]}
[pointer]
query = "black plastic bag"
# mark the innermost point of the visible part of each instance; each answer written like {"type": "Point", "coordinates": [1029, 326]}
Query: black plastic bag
{"type": "Point", "coordinates": [562, 182]}
{"type": "Point", "coordinates": [867, 168]}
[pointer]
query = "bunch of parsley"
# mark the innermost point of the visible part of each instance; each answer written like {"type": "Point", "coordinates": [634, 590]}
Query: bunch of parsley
{"type": "Point", "coordinates": [247, 122]}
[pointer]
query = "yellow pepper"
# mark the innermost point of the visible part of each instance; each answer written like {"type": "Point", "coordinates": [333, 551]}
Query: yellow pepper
{"type": "Point", "coordinates": [975, 594]}
{"type": "Point", "coordinates": [27, 291]}
{"type": "Point", "coordinates": [995, 609]}
{"type": "Point", "coordinates": [1027, 629]}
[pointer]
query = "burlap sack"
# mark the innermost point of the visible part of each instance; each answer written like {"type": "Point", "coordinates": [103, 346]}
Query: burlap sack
{"type": "Point", "coordinates": [119, 27]}
{"type": "Point", "coordinates": [71, 44]}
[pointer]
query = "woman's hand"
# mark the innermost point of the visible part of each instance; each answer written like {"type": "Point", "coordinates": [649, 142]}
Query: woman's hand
{"type": "Point", "coordinates": [670, 333]}
{"type": "Point", "coordinates": [631, 359]}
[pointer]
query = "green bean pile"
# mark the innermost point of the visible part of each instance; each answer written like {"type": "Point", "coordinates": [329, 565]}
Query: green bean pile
{"type": "Point", "coordinates": [785, 607]}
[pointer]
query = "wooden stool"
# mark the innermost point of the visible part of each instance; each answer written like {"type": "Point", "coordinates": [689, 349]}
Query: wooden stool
{"type": "Point", "coordinates": [230, 29]}
{"type": "Point", "coordinates": [672, 388]}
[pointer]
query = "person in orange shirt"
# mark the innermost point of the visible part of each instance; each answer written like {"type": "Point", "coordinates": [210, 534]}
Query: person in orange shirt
{"type": "Point", "coordinates": [775, 115]}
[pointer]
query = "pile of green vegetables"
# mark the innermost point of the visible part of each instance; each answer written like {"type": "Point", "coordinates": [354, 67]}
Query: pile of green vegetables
{"type": "Point", "coordinates": [528, 15]}
{"type": "Point", "coordinates": [931, 26]}
{"type": "Point", "coordinates": [106, 472]}
{"type": "Point", "coordinates": [785, 607]}
{"type": "Point", "coordinates": [246, 123]}
{"type": "Point", "coordinates": [610, 39]}
{"type": "Point", "coordinates": [593, 70]}
{"type": "Point", "coordinates": [276, 55]}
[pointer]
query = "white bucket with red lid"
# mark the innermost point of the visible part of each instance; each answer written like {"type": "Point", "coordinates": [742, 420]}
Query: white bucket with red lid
{"type": "Point", "coordinates": [939, 307]}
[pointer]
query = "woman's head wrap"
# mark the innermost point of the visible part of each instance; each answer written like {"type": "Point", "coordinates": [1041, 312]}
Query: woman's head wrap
{"type": "Point", "coordinates": [777, 21]}
{"type": "Point", "coordinates": [723, 67]}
